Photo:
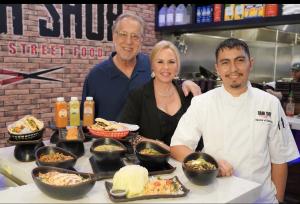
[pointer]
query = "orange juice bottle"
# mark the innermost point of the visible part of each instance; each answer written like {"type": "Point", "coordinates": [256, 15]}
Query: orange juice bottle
{"type": "Point", "coordinates": [88, 111]}
{"type": "Point", "coordinates": [61, 113]}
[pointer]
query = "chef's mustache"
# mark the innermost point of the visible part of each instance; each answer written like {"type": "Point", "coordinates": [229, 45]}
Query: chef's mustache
{"type": "Point", "coordinates": [233, 73]}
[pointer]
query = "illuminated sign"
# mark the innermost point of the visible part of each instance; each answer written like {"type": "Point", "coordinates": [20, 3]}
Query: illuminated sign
{"type": "Point", "coordinates": [55, 20]}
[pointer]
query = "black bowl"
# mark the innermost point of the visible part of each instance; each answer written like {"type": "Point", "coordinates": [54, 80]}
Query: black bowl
{"type": "Point", "coordinates": [74, 146]}
{"type": "Point", "coordinates": [25, 152]}
{"type": "Point", "coordinates": [50, 149]}
{"type": "Point", "coordinates": [152, 160]}
{"type": "Point", "coordinates": [200, 177]}
{"type": "Point", "coordinates": [70, 192]}
{"type": "Point", "coordinates": [107, 156]}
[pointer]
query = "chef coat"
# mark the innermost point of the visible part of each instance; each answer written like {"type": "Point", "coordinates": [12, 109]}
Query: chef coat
{"type": "Point", "coordinates": [249, 131]}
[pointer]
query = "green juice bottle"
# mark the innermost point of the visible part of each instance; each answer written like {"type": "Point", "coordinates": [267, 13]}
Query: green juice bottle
{"type": "Point", "coordinates": [74, 107]}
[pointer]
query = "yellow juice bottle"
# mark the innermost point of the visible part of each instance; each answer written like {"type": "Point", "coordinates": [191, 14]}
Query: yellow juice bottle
{"type": "Point", "coordinates": [74, 107]}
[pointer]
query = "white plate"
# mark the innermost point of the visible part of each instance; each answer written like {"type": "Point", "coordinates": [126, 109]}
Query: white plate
{"type": "Point", "coordinates": [131, 127]}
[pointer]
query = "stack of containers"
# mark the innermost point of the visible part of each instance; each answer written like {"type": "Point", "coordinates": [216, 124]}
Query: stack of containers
{"type": "Point", "coordinates": [172, 15]}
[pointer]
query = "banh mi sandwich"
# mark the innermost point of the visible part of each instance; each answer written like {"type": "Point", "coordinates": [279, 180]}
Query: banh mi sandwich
{"type": "Point", "coordinates": [27, 124]}
{"type": "Point", "coordinates": [33, 124]}
{"type": "Point", "coordinates": [115, 126]}
{"type": "Point", "coordinates": [102, 124]}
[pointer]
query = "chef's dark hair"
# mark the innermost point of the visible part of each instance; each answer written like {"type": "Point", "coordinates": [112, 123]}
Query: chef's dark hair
{"type": "Point", "coordinates": [232, 43]}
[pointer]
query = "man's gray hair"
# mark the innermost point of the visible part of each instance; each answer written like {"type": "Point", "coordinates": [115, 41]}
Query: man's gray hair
{"type": "Point", "coordinates": [131, 16]}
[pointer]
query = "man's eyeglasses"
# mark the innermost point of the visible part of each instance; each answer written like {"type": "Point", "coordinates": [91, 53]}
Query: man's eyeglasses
{"type": "Point", "coordinates": [124, 35]}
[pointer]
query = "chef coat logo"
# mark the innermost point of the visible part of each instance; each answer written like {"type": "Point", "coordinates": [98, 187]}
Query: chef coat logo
{"type": "Point", "coordinates": [264, 116]}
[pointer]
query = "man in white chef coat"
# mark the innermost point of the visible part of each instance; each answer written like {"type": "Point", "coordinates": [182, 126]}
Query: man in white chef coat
{"type": "Point", "coordinates": [242, 127]}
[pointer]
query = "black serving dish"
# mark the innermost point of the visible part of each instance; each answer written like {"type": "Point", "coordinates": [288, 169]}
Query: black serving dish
{"type": "Point", "coordinates": [152, 160]}
{"type": "Point", "coordinates": [29, 136]}
{"type": "Point", "coordinates": [25, 150]}
{"type": "Point", "coordinates": [183, 192]}
{"type": "Point", "coordinates": [200, 177]}
{"type": "Point", "coordinates": [67, 164]}
{"type": "Point", "coordinates": [74, 146]}
{"type": "Point", "coordinates": [59, 134]}
{"type": "Point", "coordinates": [107, 156]}
{"type": "Point", "coordinates": [105, 169]}
{"type": "Point", "coordinates": [62, 133]}
{"type": "Point", "coordinates": [70, 192]}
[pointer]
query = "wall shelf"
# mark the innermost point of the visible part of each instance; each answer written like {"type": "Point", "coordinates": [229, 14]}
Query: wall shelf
{"type": "Point", "coordinates": [226, 25]}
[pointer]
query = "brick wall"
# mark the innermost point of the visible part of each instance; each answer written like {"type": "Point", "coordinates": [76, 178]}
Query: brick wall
{"type": "Point", "coordinates": [37, 97]}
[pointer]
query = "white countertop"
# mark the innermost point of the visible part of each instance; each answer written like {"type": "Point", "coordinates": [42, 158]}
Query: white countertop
{"type": "Point", "coordinates": [223, 190]}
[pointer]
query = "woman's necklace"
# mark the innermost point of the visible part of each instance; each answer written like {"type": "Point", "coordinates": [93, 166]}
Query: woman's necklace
{"type": "Point", "coordinates": [166, 94]}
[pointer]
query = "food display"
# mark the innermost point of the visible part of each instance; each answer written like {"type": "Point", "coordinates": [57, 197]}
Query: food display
{"type": "Point", "coordinates": [105, 128]}
{"type": "Point", "coordinates": [200, 164]}
{"type": "Point", "coordinates": [159, 186]}
{"type": "Point", "coordinates": [150, 151]}
{"type": "Point", "coordinates": [54, 157]}
{"type": "Point", "coordinates": [102, 124]}
{"type": "Point", "coordinates": [61, 179]}
{"type": "Point", "coordinates": [25, 125]}
{"type": "Point", "coordinates": [72, 133]}
{"type": "Point", "coordinates": [62, 184]}
{"type": "Point", "coordinates": [107, 147]}
{"type": "Point", "coordinates": [134, 180]}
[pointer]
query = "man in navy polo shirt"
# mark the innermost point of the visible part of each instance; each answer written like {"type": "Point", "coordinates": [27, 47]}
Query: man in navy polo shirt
{"type": "Point", "coordinates": [110, 82]}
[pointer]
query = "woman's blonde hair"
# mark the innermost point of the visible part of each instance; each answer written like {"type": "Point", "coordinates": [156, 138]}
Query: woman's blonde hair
{"type": "Point", "coordinates": [164, 44]}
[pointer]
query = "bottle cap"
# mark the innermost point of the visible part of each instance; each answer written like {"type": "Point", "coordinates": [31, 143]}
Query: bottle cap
{"type": "Point", "coordinates": [89, 98]}
{"type": "Point", "coordinates": [60, 99]}
{"type": "Point", "coordinates": [74, 98]}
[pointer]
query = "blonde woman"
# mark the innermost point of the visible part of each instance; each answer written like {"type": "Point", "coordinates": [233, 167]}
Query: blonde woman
{"type": "Point", "coordinates": [158, 105]}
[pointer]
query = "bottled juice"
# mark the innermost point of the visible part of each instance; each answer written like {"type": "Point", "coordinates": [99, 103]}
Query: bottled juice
{"type": "Point", "coordinates": [162, 16]}
{"type": "Point", "coordinates": [260, 10]}
{"type": "Point", "coordinates": [239, 12]}
{"type": "Point", "coordinates": [229, 12]}
{"type": "Point", "coordinates": [74, 106]}
{"type": "Point", "coordinates": [217, 12]}
{"type": "Point", "coordinates": [189, 11]}
{"type": "Point", "coordinates": [180, 14]}
{"type": "Point", "coordinates": [170, 19]}
{"type": "Point", "coordinates": [61, 113]}
{"type": "Point", "coordinates": [271, 10]}
{"type": "Point", "coordinates": [88, 111]}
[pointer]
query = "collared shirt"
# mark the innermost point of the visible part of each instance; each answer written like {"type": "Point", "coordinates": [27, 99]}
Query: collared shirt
{"type": "Point", "coordinates": [110, 87]}
{"type": "Point", "coordinates": [249, 131]}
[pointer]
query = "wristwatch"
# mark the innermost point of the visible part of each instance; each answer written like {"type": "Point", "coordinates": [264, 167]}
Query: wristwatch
{"type": "Point", "coordinates": [136, 140]}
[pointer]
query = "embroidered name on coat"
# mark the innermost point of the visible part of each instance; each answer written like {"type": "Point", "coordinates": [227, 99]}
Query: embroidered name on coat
{"type": "Point", "coordinates": [264, 116]}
